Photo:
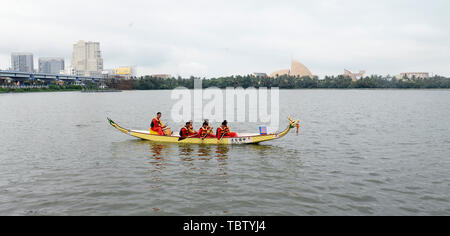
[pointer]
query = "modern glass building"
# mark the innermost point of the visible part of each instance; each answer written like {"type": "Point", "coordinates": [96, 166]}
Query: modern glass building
{"type": "Point", "coordinates": [22, 62]}
{"type": "Point", "coordinates": [51, 65]}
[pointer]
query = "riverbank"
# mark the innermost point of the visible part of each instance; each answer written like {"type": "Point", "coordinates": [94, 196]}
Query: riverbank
{"type": "Point", "coordinates": [36, 90]}
{"type": "Point", "coordinates": [43, 89]}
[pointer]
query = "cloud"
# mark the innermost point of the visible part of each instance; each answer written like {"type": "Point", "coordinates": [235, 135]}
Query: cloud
{"type": "Point", "coordinates": [209, 39]}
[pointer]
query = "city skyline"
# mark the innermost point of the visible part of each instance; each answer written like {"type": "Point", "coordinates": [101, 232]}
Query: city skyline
{"type": "Point", "coordinates": [218, 39]}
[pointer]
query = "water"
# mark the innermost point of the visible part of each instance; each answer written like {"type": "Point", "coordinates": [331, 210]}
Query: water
{"type": "Point", "coordinates": [360, 152]}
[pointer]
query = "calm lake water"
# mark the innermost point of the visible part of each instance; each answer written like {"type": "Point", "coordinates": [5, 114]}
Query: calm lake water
{"type": "Point", "coordinates": [359, 152]}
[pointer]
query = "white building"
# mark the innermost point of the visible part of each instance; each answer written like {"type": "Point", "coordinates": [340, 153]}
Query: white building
{"type": "Point", "coordinates": [417, 75]}
{"type": "Point", "coordinates": [258, 74]}
{"type": "Point", "coordinates": [87, 59]}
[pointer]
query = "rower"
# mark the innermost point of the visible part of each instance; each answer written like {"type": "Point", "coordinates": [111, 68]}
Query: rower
{"type": "Point", "coordinates": [184, 132]}
{"type": "Point", "coordinates": [224, 131]}
{"type": "Point", "coordinates": [191, 129]}
{"type": "Point", "coordinates": [206, 131]}
{"type": "Point", "coordinates": [157, 125]}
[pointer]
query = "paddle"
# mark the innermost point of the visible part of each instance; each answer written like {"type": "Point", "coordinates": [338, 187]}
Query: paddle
{"type": "Point", "coordinates": [183, 138]}
{"type": "Point", "coordinates": [208, 132]}
{"type": "Point", "coordinates": [221, 137]}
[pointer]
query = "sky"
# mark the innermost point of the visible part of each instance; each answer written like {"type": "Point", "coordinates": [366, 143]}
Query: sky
{"type": "Point", "coordinates": [222, 38]}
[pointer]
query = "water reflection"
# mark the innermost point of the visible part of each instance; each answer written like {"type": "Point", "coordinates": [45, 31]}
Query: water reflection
{"type": "Point", "coordinates": [204, 152]}
{"type": "Point", "coordinates": [164, 155]}
{"type": "Point", "coordinates": [267, 150]}
{"type": "Point", "coordinates": [222, 152]}
{"type": "Point", "coordinates": [156, 149]}
{"type": "Point", "coordinates": [159, 156]}
{"type": "Point", "coordinates": [189, 152]}
{"type": "Point", "coordinates": [186, 151]}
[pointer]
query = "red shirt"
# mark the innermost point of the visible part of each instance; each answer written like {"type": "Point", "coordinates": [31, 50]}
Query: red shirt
{"type": "Point", "coordinates": [221, 131]}
{"type": "Point", "coordinates": [187, 132]}
{"type": "Point", "coordinates": [156, 123]}
{"type": "Point", "coordinates": [203, 132]}
{"type": "Point", "coordinates": [184, 131]}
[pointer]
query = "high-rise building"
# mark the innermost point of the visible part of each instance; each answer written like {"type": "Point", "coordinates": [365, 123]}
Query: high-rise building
{"type": "Point", "coordinates": [51, 65]}
{"type": "Point", "coordinates": [22, 62]}
{"type": "Point", "coordinates": [87, 59]}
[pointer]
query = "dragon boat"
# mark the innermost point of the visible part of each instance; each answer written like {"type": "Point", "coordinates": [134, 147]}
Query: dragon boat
{"type": "Point", "coordinates": [242, 138]}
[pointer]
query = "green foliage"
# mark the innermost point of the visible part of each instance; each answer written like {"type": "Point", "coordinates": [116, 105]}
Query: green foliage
{"type": "Point", "coordinates": [51, 88]}
{"type": "Point", "coordinates": [290, 82]}
{"type": "Point", "coordinates": [283, 82]}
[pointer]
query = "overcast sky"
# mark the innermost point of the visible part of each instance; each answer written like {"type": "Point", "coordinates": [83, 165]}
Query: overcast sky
{"type": "Point", "coordinates": [219, 38]}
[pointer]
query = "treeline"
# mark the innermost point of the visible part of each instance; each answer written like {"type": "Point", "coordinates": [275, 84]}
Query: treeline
{"type": "Point", "coordinates": [284, 82]}
{"type": "Point", "coordinates": [50, 88]}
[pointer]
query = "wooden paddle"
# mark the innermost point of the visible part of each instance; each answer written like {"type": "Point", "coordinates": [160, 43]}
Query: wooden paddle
{"type": "Point", "coordinates": [183, 138]}
{"type": "Point", "coordinates": [221, 137]}
{"type": "Point", "coordinates": [207, 133]}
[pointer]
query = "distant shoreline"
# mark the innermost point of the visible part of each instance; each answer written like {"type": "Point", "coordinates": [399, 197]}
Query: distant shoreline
{"type": "Point", "coordinates": [282, 82]}
{"type": "Point", "coordinates": [34, 90]}
{"type": "Point", "coordinates": [12, 91]}
{"type": "Point", "coordinates": [285, 82]}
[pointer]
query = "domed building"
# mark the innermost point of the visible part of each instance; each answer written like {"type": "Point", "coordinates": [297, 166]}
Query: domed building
{"type": "Point", "coordinates": [297, 69]}
{"type": "Point", "coordinates": [280, 73]}
{"type": "Point", "coordinates": [300, 70]}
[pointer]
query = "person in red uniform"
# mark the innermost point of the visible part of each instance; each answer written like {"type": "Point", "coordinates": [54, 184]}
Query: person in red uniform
{"type": "Point", "coordinates": [224, 131]}
{"type": "Point", "coordinates": [206, 131]}
{"type": "Point", "coordinates": [188, 130]}
{"type": "Point", "coordinates": [184, 132]}
{"type": "Point", "coordinates": [191, 129]}
{"type": "Point", "coordinates": [157, 125]}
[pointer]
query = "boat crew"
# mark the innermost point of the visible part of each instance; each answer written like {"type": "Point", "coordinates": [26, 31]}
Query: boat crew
{"type": "Point", "coordinates": [206, 131]}
{"type": "Point", "coordinates": [157, 125]}
{"type": "Point", "coordinates": [224, 131]}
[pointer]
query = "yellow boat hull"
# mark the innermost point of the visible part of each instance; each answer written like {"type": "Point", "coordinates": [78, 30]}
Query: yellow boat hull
{"type": "Point", "coordinates": [251, 139]}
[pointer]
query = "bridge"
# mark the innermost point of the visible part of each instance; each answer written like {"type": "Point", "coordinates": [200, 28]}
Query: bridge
{"type": "Point", "coordinates": [24, 76]}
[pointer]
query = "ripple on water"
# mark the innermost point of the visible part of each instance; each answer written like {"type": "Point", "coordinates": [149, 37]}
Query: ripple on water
{"type": "Point", "coordinates": [398, 191]}
{"type": "Point", "coordinates": [375, 181]}
{"type": "Point", "coordinates": [410, 210]}
{"type": "Point", "coordinates": [365, 210]}
{"type": "Point", "coordinates": [355, 198]}
{"type": "Point", "coordinates": [305, 199]}
{"type": "Point", "coordinates": [86, 167]}
{"type": "Point", "coordinates": [433, 198]}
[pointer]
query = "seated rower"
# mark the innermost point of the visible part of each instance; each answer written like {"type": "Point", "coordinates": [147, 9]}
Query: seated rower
{"type": "Point", "coordinates": [157, 125]}
{"type": "Point", "coordinates": [184, 132]}
{"type": "Point", "coordinates": [191, 129]}
{"type": "Point", "coordinates": [224, 131]}
{"type": "Point", "coordinates": [206, 131]}
{"type": "Point", "coordinates": [188, 130]}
